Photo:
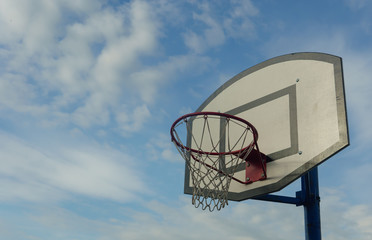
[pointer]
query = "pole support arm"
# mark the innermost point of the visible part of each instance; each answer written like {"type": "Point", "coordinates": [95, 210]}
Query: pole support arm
{"type": "Point", "coordinates": [298, 200]}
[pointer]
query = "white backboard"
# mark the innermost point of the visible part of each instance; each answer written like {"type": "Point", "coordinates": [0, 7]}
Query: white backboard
{"type": "Point", "coordinates": [297, 104]}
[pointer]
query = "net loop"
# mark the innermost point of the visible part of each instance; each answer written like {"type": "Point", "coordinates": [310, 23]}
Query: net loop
{"type": "Point", "coordinates": [216, 145]}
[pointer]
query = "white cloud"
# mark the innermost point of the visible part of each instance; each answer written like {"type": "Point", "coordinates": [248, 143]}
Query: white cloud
{"type": "Point", "coordinates": [16, 92]}
{"type": "Point", "coordinates": [132, 122]}
{"type": "Point", "coordinates": [87, 69]}
{"type": "Point", "coordinates": [341, 220]}
{"type": "Point", "coordinates": [150, 80]}
{"type": "Point", "coordinates": [28, 24]}
{"type": "Point", "coordinates": [358, 88]}
{"type": "Point", "coordinates": [240, 24]}
{"type": "Point", "coordinates": [363, 219]}
{"type": "Point", "coordinates": [161, 148]}
{"type": "Point", "coordinates": [216, 28]}
{"type": "Point", "coordinates": [194, 42]}
{"type": "Point", "coordinates": [61, 169]}
{"type": "Point", "coordinates": [73, 69]}
{"type": "Point", "coordinates": [357, 4]}
{"type": "Point", "coordinates": [211, 36]}
{"type": "Point", "coordinates": [122, 48]}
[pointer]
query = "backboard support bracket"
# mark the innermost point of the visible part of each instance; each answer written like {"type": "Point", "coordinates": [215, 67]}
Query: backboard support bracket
{"type": "Point", "coordinates": [255, 167]}
{"type": "Point", "coordinates": [309, 198]}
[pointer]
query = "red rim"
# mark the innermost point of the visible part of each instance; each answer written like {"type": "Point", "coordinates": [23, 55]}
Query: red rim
{"type": "Point", "coordinates": [254, 132]}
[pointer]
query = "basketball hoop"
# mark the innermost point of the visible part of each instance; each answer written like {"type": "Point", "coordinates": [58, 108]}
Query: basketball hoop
{"type": "Point", "coordinates": [217, 144]}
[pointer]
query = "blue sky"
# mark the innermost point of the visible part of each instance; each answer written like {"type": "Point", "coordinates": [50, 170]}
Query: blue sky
{"type": "Point", "coordinates": [89, 89]}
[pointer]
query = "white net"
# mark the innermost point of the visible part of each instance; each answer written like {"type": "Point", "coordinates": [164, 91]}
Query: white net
{"type": "Point", "coordinates": [216, 146]}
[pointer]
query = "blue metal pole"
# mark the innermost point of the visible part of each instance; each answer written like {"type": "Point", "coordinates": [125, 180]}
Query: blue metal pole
{"type": "Point", "coordinates": [310, 194]}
